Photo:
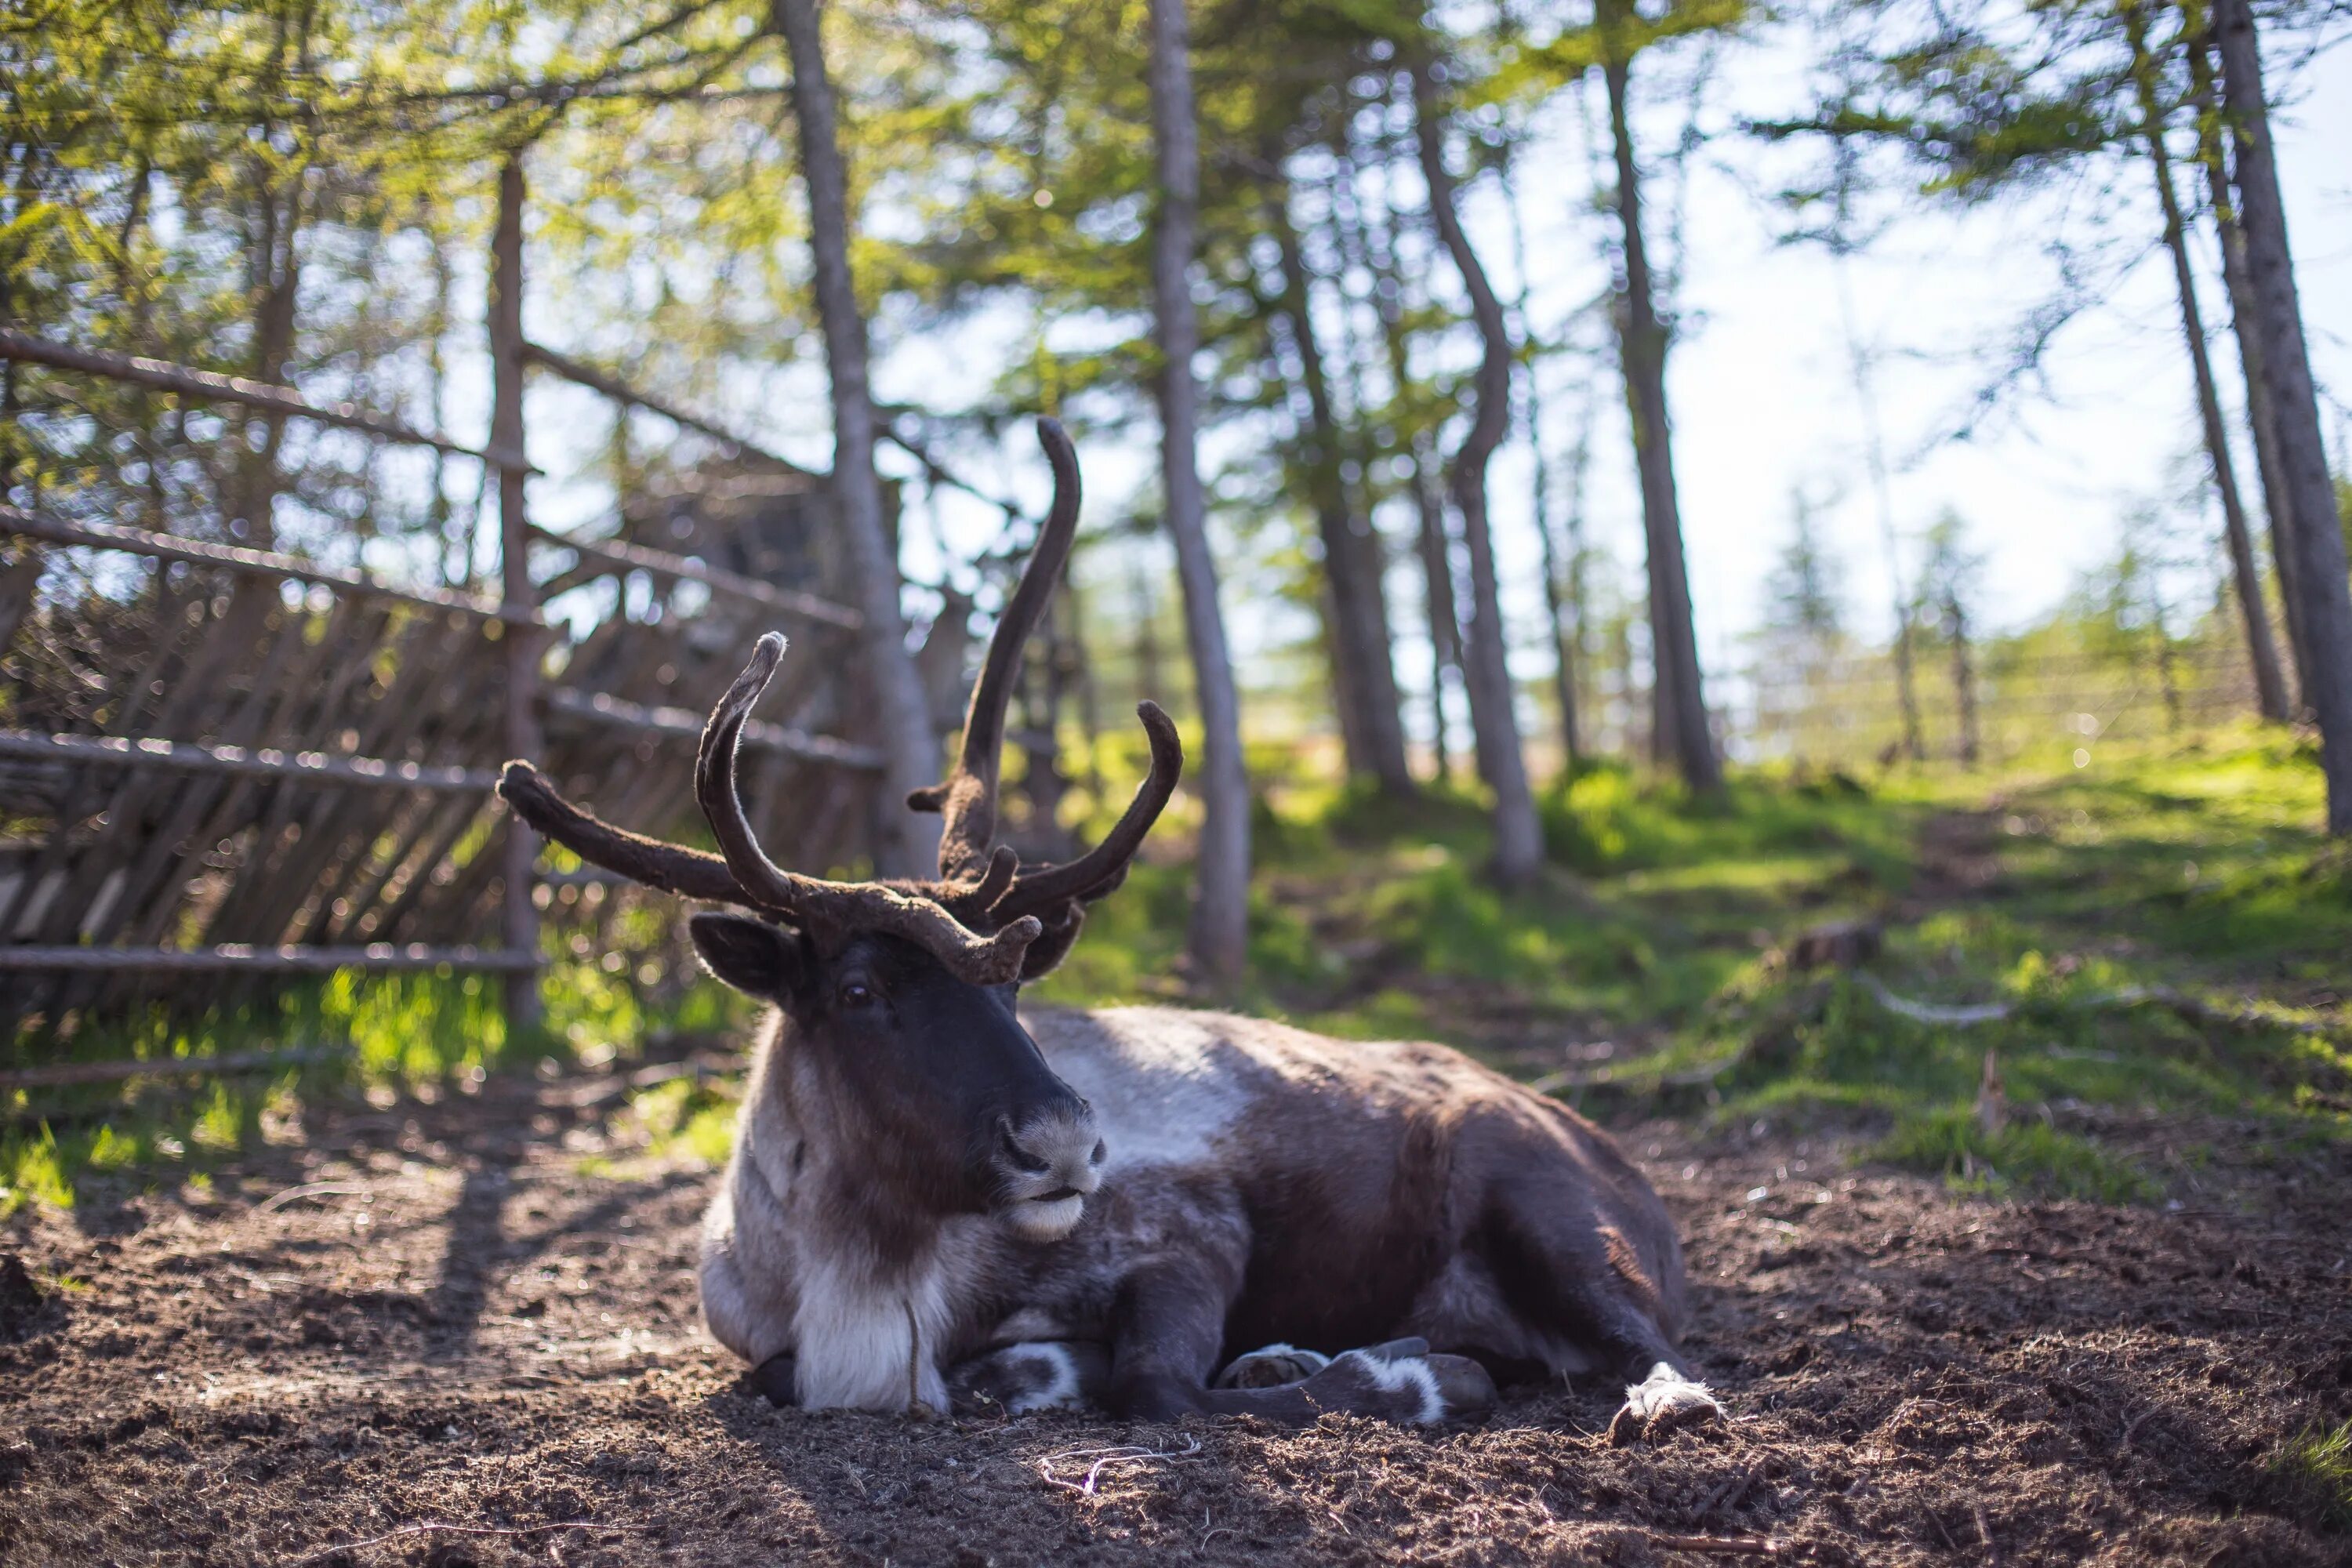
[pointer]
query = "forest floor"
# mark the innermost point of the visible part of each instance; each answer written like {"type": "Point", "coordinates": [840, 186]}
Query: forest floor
{"type": "Point", "coordinates": [2101, 1314]}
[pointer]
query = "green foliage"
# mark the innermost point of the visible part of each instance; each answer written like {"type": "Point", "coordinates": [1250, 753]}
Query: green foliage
{"type": "Point", "coordinates": [2032, 1157]}
{"type": "Point", "coordinates": [2313, 1472]}
{"type": "Point", "coordinates": [402, 1033]}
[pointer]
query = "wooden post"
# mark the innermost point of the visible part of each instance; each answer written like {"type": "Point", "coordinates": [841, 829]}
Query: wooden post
{"type": "Point", "coordinates": [507, 367]}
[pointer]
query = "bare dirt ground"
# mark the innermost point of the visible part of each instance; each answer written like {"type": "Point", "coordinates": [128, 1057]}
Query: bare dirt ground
{"type": "Point", "coordinates": [428, 1315]}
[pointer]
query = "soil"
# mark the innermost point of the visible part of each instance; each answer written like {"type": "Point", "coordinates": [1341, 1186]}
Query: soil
{"type": "Point", "coordinates": [423, 1333]}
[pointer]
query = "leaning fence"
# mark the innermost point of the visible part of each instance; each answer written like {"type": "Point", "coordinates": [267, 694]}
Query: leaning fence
{"type": "Point", "coordinates": [222, 765]}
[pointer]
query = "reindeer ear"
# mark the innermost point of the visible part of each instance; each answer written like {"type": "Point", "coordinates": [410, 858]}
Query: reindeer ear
{"type": "Point", "coordinates": [754, 957]}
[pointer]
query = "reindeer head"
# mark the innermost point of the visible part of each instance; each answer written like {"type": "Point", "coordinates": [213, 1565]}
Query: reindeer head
{"type": "Point", "coordinates": [901, 994]}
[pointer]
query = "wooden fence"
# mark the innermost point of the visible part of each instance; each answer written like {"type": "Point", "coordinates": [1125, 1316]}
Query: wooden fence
{"type": "Point", "coordinates": [221, 764]}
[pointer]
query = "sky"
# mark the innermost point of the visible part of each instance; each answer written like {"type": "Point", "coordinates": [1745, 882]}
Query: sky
{"type": "Point", "coordinates": [1759, 377]}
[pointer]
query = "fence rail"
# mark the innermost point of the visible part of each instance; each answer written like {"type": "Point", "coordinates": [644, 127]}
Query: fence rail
{"type": "Point", "coordinates": [261, 761]}
{"type": "Point", "coordinates": [165, 376]}
{"type": "Point", "coordinates": [246, 959]}
{"type": "Point", "coordinates": [661, 564]}
{"type": "Point", "coordinates": [250, 563]}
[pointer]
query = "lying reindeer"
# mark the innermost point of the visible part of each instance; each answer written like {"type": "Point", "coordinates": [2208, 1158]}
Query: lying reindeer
{"type": "Point", "coordinates": [934, 1194]}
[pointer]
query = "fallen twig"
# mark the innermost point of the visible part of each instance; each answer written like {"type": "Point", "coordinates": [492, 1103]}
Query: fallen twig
{"type": "Point", "coordinates": [433, 1527]}
{"type": "Point", "coordinates": [2190, 1007]}
{"type": "Point", "coordinates": [1717, 1545]}
{"type": "Point", "coordinates": [309, 1190]}
{"type": "Point", "coordinates": [1108, 1459]}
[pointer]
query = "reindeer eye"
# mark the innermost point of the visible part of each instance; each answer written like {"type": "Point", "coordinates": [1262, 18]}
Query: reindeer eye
{"type": "Point", "coordinates": [856, 993]}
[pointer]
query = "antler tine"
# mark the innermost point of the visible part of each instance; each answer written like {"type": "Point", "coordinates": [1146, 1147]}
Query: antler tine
{"type": "Point", "coordinates": [766, 883]}
{"type": "Point", "coordinates": [968, 798]}
{"type": "Point", "coordinates": [672, 867]}
{"type": "Point", "coordinates": [979, 959]}
{"type": "Point", "coordinates": [1103, 866]}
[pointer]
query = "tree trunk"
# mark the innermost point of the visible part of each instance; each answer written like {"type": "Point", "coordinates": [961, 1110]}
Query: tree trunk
{"type": "Point", "coordinates": [1964, 680]}
{"type": "Point", "coordinates": [1563, 669]}
{"type": "Point", "coordinates": [1220, 931]}
{"type": "Point", "coordinates": [1518, 833]}
{"type": "Point", "coordinates": [2270, 691]}
{"type": "Point", "coordinates": [518, 917]}
{"type": "Point", "coordinates": [2260, 414]}
{"type": "Point", "coordinates": [1681, 704]}
{"type": "Point", "coordinates": [1429, 506]}
{"type": "Point", "coordinates": [1353, 563]}
{"type": "Point", "coordinates": [2326, 596]}
{"type": "Point", "coordinates": [908, 841]}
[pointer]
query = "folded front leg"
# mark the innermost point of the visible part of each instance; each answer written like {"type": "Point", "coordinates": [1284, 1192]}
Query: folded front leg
{"type": "Point", "coordinates": [1167, 1332]}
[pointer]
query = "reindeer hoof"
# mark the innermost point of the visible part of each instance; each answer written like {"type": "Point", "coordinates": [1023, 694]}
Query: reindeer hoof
{"type": "Point", "coordinates": [1272, 1367]}
{"type": "Point", "coordinates": [1401, 1382]}
{"type": "Point", "coordinates": [774, 1380]}
{"type": "Point", "coordinates": [1662, 1403]}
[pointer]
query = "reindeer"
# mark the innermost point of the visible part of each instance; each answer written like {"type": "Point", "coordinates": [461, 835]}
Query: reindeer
{"type": "Point", "coordinates": [940, 1198]}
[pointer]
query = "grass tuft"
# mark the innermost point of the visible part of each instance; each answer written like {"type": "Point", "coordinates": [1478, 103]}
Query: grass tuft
{"type": "Point", "coordinates": [2313, 1471]}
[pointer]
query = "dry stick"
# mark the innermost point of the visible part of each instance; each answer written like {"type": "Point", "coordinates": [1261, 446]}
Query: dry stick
{"type": "Point", "coordinates": [311, 1190]}
{"type": "Point", "coordinates": [1104, 1458]}
{"type": "Point", "coordinates": [1712, 1546]}
{"type": "Point", "coordinates": [431, 1528]}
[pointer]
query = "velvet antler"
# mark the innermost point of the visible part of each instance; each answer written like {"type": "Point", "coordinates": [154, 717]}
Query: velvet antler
{"type": "Point", "coordinates": [745, 875]}
{"type": "Point", "coordinates": [966, 799]}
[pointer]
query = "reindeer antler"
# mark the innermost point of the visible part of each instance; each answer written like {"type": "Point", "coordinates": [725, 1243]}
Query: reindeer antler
{"type": "Point", "coordinates": [981, 884]}
{"type": "Point", "coordinates": [745, 876]}
{"type": "Point", "coordinates": [966, 799]}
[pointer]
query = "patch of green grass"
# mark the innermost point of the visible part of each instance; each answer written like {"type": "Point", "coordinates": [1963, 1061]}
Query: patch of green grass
{"type": "Point", "coordinates": [2031, 1155]}
{"type": "Point", "coordinates": [2313, 1471]}
{"type": "Point", "coordinates": [684, 1119]}
{"type": "Point", "coordinates": [411, 1032]}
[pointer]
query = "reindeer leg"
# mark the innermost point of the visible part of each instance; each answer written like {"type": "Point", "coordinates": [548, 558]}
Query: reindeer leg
{"type": "Point", "coordinates": [774, 1379]}
{"type": "Point", "coordinates": [1577, 1278]}
{"type": "Point", "coordinates": [1033, 1375]}
{"type": "Point", "coordinates": [1169, 1325]}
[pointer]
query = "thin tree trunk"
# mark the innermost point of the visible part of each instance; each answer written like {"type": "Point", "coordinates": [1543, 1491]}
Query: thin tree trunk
{"type": "Point", "coordinates": [1220, 931]}
{"type": "Point", "coordinates": [1518, 833]}
{"type": "Point", "coordinates": [1579, 642]}
{"type": "Point", "coordinates": [518, 917]}
{"type": "Point", "coordinates": [2319, 546]}
{"type": "Point", "coordinates": [2270, 691]}
{"type": "Point", "coordinates": [907, 841]}
{"type": "Point", "coordinates": [1429, 506]}
{"type": "Point", "coordinates": [2260, 414]}
{"type": "Point", "coordinates": [1563, 667]}
{"type": "Point", "coordinates": [1681, 705]}
{"type": "Point", "coordinates": [1964, 678]}
{"type": "Point", "coordinates": [1352, 564]}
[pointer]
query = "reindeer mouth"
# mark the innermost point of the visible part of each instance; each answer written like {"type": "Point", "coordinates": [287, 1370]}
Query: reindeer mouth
{"type": "Point", "coordinates": [1049, 1217]}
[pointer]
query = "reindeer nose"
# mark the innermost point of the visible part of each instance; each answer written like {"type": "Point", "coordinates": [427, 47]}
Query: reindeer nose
{"type": "Point", "coordinates": [1056, 1151]}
